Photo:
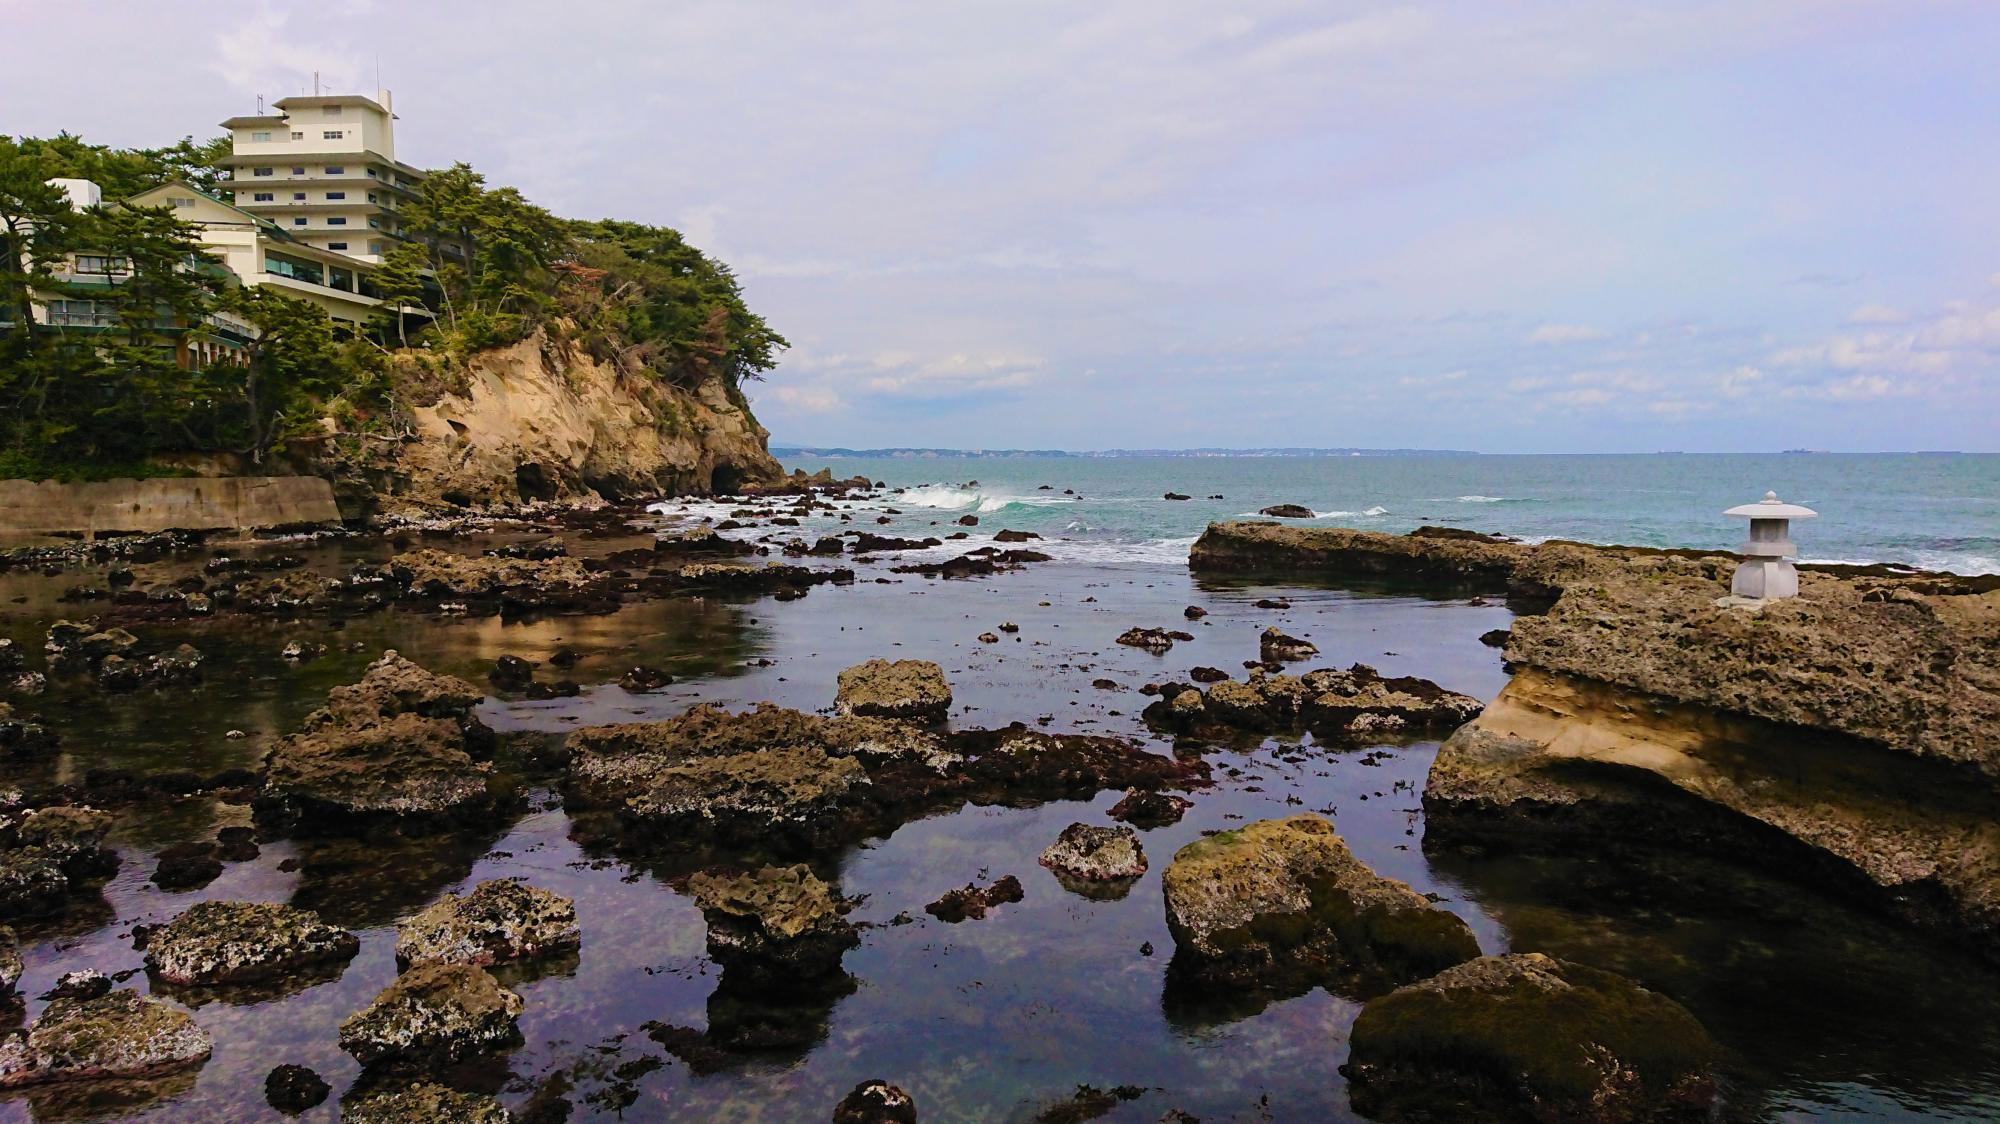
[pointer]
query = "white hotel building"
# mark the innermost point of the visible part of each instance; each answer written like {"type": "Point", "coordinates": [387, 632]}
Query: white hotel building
{"type": "Point", "coordinates": [324, 169]}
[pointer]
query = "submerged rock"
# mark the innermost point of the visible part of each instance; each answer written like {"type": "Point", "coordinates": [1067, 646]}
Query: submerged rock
{"type": "Point", "coordinates": [875, 1102]}
{"type": "Point", "coordinates": [1283, 901]}
{"type": "Point", "coordinates": [1146, 809]}
{"type": "Point", "coordinates": [433, 1014]}
{"type": "Point", "coordinates": [120, 1035]}
{"type": "Point", "coordinates": [908, 689]}
{"type": "Point", "coordinates": [49, 854]}
{"type": "Point", "coordinates": [438, 573]}
{"type": "Point", "coordinates": [1155, 640]}
{"type": "Point", "coordinates": [1287, 511]}
{"type": "Point", "coordinates": [496, 922]}
{"type": "Point", "coordinates": [1531, 1035]}
{"type": "Point", "coordinates": [292, 1089]}
{"type": "Point", "coordinates": [187, 865]}
{"type": "Point", "coordinates": [421, 1102]}
{"type": "Point", "coordinates": [22, 739]}
{"type": "Point", "coordinates": [238, 942]}
{"type": "Point", "coordinates": [1096, 854]}
{"type": "Point", "coordinates": [776, 924]}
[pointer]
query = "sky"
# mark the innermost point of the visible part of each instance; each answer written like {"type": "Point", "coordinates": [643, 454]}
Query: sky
{"type": "Point", "coordinates": [1523, 227]}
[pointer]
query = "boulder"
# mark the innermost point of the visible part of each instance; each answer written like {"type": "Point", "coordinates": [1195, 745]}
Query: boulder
{"type": "Point", "coordinates": [1096, 854]}
{"type": "Point", "coordinates": [799, 794]}
{"type": "Point", "coordinates": [421, 1102]}
{"type": "Point", "coordinates": [433, 1014]}
{"type": "Point", "coordinates": [238, 942]}
{"type": "Point", "coordinates": [908, 689]}
{"type": "Point", "coordinates": [1155, 640]}
{"type": "Point", "coordinates": [187, 865]}
{"type": "Point", "coordinates": [1146, 809]}
{"type": "Point", "coordinates": [1276, 647]}
{"type": "Point", "coordinates": [48, 854]}
{"type": "Point", "coordinates": [119, 1035]}
{"type": "Point", "coordinates": [1287, 511]}
{"type": "Point", "coordinates": [1283, 902]}
{"type": "Point", "coordinates": [1529, 1035]}
{"type": "Point", "coordinates": [1333, 704]}
{"type": "Point", "coordinates": [875, 1102]}
{"type": "Point", "coordinates": [776, 924]}
{"type": "Point", "coordinates": [496, 922]}
{"type": "Point", "coordinates": [971, 902]}
{"type": "Point", "coordinates": [292, 1089]}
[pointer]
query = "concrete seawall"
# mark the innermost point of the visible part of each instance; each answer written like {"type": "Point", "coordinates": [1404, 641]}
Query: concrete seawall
{"type": "Point", "coordinates": [38, 509]}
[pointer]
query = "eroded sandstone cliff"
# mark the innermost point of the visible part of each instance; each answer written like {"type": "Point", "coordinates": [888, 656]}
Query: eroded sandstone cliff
{"type": "Point", "coordinates": [542, 420]}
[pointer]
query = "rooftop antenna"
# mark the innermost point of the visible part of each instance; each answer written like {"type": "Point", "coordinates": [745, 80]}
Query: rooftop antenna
{"type": "Point", "coordinates": [260, 105]}
{"type": "Point", "coordinates": [315, 83]}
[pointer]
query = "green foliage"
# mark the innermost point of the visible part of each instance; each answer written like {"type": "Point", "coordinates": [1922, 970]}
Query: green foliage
{"type": "Point", "coordinates": [123, 172]}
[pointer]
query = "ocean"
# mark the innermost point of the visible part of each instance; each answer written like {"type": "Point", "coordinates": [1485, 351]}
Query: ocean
{"type": "Point", "coordinates": [1932, 511]}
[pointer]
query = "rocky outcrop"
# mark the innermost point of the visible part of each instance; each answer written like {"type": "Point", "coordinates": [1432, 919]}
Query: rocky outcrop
{"type": "Point", "coordinates": [397, 746]}
{"type": "Point", "coordinates": [1287, 511]}
{"type": "Point", "coordinates": [773, 925]}
{"type": "Point", "coordinates": [119, 1035]}
{"type": "Point", "coordinates": [1427, 556]}
{"type": "Point", "coordinates": [1333, 704]}
{"type": "Point", "coordinates": [1283, 903]}
{"type": "Point", "coordinates": [1088, 853]}
{"type": "Point", "coordinates": [239, 942]}
{"type": "Point", "coordinates": [914, 690]}
{"type": "Point", "coordinates": [972, 902]}
{"type": "Point", "coordinates": [541, 420]}
{"type": "Point", "coordinates": [440, 573]}
{"type": "Point", "coordinates": [50, 854]}
{"type": "Point", "coordinates": [496, 922]}
{"type": "Point", "coordinates": [1528, 1035]}
{"type": "Point", "coordinates": [434, 1014]}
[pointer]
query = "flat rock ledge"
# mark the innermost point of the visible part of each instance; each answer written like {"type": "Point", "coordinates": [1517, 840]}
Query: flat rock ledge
{"type": "Point", "coordinates": [496, 922]}
{"type": "Point", "coordinates": [1284, 903]}
{"type": "Point", "coordinates": [914, 690]}
{"type": "Point", "coordinates": [1333, 704]}
{"type": "Point", "coordinates": [241, 942]}
{"type": "Point", "coordinates": [434, 1014]}
{"type": "Point", "coordinates": [397, 746]}
{"type": "Point", "coordinates": [1526, 1035]}
{"type": "Point", "coordinates": [421, 1102]}
{"type": "Point", "coordinates": [119, 1035]}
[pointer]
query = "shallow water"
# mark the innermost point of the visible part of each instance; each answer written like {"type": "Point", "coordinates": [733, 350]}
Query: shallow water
{"type": "Point", "coordinates": [1826, 1011]}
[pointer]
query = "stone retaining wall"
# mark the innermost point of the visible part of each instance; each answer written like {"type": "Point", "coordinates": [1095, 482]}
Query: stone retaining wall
{"type": "Point", "coordinates": [37, 509]}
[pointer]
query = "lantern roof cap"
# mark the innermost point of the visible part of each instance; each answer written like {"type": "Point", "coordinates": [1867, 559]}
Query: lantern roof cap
{"type": "Point", "coordinates": [1771, 507]}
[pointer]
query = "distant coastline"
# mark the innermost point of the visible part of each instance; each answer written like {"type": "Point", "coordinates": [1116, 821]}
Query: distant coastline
{"type": "Point", "coordinates": [1025, 454]}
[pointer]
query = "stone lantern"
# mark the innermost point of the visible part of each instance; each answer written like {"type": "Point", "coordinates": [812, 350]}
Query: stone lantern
{"type": "Point", "coordinates": [1767, 569]}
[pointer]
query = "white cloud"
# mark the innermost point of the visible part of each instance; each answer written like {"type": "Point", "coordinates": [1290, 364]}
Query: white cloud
{"type": "Point", "coordinates": [807, 399]}
{"type": "Point", "coordinates": [1564, 333]}
{"type": "Point", "coordinates": [1875, 314]}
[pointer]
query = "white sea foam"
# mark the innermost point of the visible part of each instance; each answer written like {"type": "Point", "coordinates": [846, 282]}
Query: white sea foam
{"type": "Point", "coordinates": [941, 496]}
{"type": "Point", "coordinates": [1364, 513]}
{"type": "Point", "coordinates": [1482, 499]}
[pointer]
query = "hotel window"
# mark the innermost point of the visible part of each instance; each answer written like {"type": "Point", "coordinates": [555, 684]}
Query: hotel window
{"type": "Point", "coordinates": [336, 245]}
{"type": "Point", "coordinates": [336, 220]}
{"type": "Point", "coordinates": [298, 196]}
{"type": "Point", "coordinates": [180, 201]}
{"type": "Point", "coordinates": [332, 134]}
{"type": "Point", "coordinates": [298, 171]}
{"type": "Point", "coordinates": [371, 197]}
{"type": "Point", "coordinates": [264, 196]}
{"type": "Point", "coordinates": [331, 195]}
{"type": "Point", "coordinates": [298, 136]}
{"type": "Point", "coordinates": [374, 247]}
{"type": "Point", "coordinates": [335, 170]}
{"type": "Point", "coordinates": [259, 137]}
{"type": "Point", "coordinates": [99, 263]}
{"type": "Point", "coordinates": [260, 171]}
{"type": "Point", "coordinates": [300, 221]}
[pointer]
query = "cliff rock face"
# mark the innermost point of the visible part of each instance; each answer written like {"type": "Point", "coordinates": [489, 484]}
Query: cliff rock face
{"type": "Point", "coordinates": [541, 420]}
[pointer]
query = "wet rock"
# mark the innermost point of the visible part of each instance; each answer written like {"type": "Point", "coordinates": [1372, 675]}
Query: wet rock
{"type": "Point", "coordinates": [1014, 536]}
{"type": "Point", "coordinates": [122, 673]}
{"type": "Point", "coordinates": [433, 1014]}
{"type": "Point", "coordinates": [226, 942]}
{"type": "Point", "coordinates": [292, 1089]}
{"type": "Point", "coordinates": [1333, 704]}
{"type": "Point", "coordinates": [972, 902]}
{"type": "Point", "coordinates": [511, 673]}
{"type": "Point", "coordinates": [875, 1102]}
{"type": "Point", "coordinates": [1276, 647]}
{"type": "Point", "coordinates": [1529, 1035]}
{"type": "Point", "coordinates": [12, 657]}
{"type": "Point", "coordinates": [187, 866]}
{"type": "Point", "coordinates": [84, 983]}
{"type": "Point", "coordinates": [1096, 854]}
{"type": "Point", "coordinates": [908, 689]}
{"type": "Point", "coordinates": [640, 679]}
{"type": "Point", "coordinates": [1496, 638]}
{"type": "Point", "coordinates": [421, 1102]}
{"type": "Point", "coordinates": [989, 638]}
{"type": "Point", "coordinates": [774, 925]}
{"type": "Point", "coordinates": [799, 794]}
{"type": "Point", "coordinates": [10, 961]}
{"type": "Point", "coordinates": [1146, 809]}
{"type": "Point", "coordinates": [236, 844]}
{"type": "Point", "coordinates": [560, 689]}
{"type": "Point", "coordinates": [22, 739]}
{"type": "Point", "coordinates": [1286, 511]}
{"type": "Point", "coordinates": [1283, 902]}
{"type": "Point", "coordinates": [700, 540]}
{"type": "Point", "coordinates": [50, 853]}
{"type": "Point", "coordinates": [1207, 674]}
{"type": "Point", "coordinates": [1273, 603]}
{"type": "Point", "coordinates": [438, 573]}
{"type": "Point", "coordinates": [1175, 496]}
{"type": "Point", "coordinates": [968, 520]}
{"type": "Point", "coordinates": [119, 1035]}
{"type": "Point", "coordinates": [1194, 612]}
{"type": "Point", "coordinates": [496, 922]}
{"type": "Point", "coordinates": [1155, 640]}
{"type": "Point", "coordinates": [395, 745]}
